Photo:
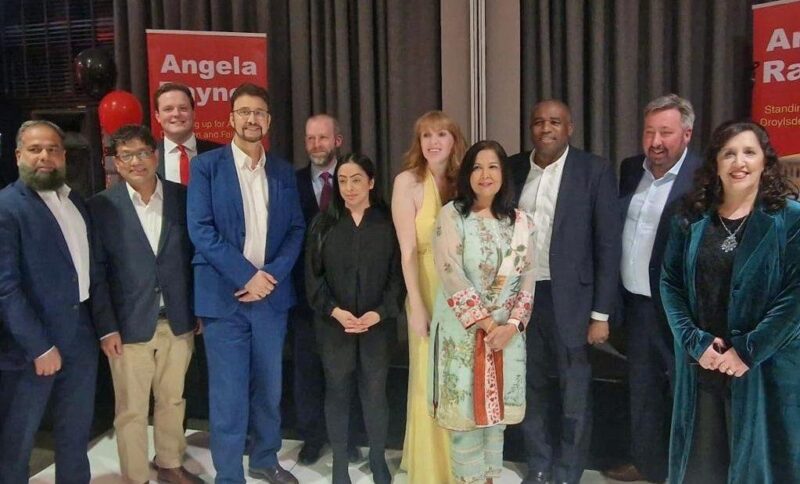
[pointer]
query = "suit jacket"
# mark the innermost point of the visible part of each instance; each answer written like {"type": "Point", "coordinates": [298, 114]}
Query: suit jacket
{"type": "Point", "coordinates": [39, 294]}
{"type": "Point", "coordinates": [310, 208]}
{"type": "Point", "coordinates": [202, 147]}
{"type": "Point", "coordinates": [215, 217]}
{"type": "Point", "coordinates": [129, 280]}
{"type": "Point", "coordinates": [585, 245]}
{"type": "Point", "coordinates": [631, 172]}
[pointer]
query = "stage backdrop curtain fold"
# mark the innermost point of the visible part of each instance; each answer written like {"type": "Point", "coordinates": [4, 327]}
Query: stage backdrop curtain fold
{"type": "Point", "coordinates": [608, 58]}
{"type": "Point", "coordinates": [373, 64]}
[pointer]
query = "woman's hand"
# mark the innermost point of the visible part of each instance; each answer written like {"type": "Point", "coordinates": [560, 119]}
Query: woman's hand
{"type": "Point", "coordinates": [731, 364]}
{"type": "Point", "coordinates": [710, 357]}
{"type": "Point", "coordinates": [419, 320]}
{"type": "Point", "coordinates": [499, 337]}
{"type": "Point", "coordinates": [367, 320]}
{"type": "Point", "coordinates": [350, 323]}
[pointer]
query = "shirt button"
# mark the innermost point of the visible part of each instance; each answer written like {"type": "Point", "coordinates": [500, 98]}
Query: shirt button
{"type": "Point", "coordinates": [157, 289]}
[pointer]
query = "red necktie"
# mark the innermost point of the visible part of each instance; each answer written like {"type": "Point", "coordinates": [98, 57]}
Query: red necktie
{"type": "Point", "coordinates": [325, 196]}
{"type": "Point", "coordinates": [184, 165]}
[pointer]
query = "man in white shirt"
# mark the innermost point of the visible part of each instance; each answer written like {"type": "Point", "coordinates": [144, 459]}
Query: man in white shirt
{"type": "Point", "coordinates": [142, 305]}
{"type": "Point", "coordinates": [48, 350]}
{"type": "Point", "coordinates": [572, 196]}
{"type": "Point", "coordinates": [174, 110]}
{"type": "Point", "coordinates": [652, 186]}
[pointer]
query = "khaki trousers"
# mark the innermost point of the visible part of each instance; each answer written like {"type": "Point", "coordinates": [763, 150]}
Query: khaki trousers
{"type": "Point", "coordinates": [159, 364]}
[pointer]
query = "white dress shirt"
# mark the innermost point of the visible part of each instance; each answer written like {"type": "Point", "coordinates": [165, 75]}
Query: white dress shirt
{"type": "Point", "coordinates": [172, 157]}
{"type": "Point", "coordinates": [641, 225]}
{"type": "Point", "coordinates": [255, 201]}
{"type": "Point", "coordinates": [316, 180]}
{"type": "Point", "coordinates": [150, 216]}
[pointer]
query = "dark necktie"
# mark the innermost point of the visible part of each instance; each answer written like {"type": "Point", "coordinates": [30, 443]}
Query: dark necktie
{"type": "Point", "coordinates": [327, 189]}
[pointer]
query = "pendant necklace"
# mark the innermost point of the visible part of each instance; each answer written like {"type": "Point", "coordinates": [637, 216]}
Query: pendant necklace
{"type": "Point", "coordinates": [730, 243]}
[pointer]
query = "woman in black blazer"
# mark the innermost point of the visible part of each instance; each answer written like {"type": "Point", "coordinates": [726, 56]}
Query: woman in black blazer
{"type": "Point", "coordinates": [355, 287]}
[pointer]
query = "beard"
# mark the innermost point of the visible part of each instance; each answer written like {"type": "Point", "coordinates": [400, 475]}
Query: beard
{"type": "Point", "coordinates": [42, 181]}
{"type": "Point", "coordinates": [323, 161]}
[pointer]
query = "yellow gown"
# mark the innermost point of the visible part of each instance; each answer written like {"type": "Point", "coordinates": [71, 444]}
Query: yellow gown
{"type": "Point", "coordinates": [426, 450]}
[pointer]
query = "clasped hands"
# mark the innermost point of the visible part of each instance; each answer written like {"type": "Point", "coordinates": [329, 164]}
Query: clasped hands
{"type": "Point", "coordinates": [257, 288]}
{"type": "Point", "coordinates": [719, 357]}
{"type": "Point", "coordinates": [352, 324]}
{"type": "Point", "coordinates": [497, 335]}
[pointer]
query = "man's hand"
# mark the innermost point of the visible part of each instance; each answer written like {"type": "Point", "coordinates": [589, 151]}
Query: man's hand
{"type": "Point", "coordinates": [598, 332]}
{"type": "Point", "coordinates": [112, 345]}
{"type": "Point", "coordinates": [49, 363]}
{"type": "Point", "coordinates": [709, 358]}
{"type": "Point", "coordinates": [258, 287]}
{"type": "Point", "coordinates": [500, 336]}
{"type": "Point", "coordinates": [731, 363]}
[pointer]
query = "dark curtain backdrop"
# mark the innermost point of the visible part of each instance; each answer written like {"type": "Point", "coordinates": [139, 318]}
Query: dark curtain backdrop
{"type": "Point", "coordinates": [608, 58]}
{"type": "Point", "coordinates": [373, 64]}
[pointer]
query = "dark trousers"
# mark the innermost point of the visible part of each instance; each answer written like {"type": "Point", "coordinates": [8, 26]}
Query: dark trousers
{"type": "Point", "coordinates": [710, 457]}
{"type": "Point", "coordinates": [24, 400]}
{"type": "Point", "coordinates": [309, 379]}
{"type": "Point", "coordinates": [558, 383]}
{"type": "Point", "coordinates": [365, 356]}
{"type": "Point", "coordinates": [651, 364]}
{"type": "Point", "coordinates": [244, 353]}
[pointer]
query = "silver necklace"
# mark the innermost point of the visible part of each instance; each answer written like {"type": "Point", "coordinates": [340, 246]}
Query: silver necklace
{"type": "Point", "coordinates": [730, 243]}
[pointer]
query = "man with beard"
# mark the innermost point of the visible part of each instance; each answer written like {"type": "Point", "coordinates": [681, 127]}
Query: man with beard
{"type": "Point", "coordinates": [315, 185]}
{"type": "Point", "coordinates": [47, 342]}
{"type": "Point", "coordinates": [244, 218]}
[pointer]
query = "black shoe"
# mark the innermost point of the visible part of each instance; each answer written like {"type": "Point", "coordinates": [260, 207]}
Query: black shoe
{"type": "Point", "coordinates": [380, 471]}
{"type": "Point", "coordinates": [537, 477]}
{"type": "Point", "coordinates": [273, 475]}
{"type": "Point", "coordinates": [354, 454]}
{"type": "Point", "coordinates": [310, 453]}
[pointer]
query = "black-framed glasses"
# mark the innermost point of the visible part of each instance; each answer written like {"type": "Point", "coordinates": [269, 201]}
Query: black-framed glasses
{"type": "Point", "coordinates": [142, 155]}
{"type": "Point", "coordinates": [245, 113]}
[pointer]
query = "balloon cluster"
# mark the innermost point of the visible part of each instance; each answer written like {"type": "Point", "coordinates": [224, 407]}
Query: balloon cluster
{"type": "Point", "coordinates": [96, 74]}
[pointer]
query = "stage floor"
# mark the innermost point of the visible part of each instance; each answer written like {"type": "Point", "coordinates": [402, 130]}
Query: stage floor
{"type": "Point", "coordinates": [105, 466]}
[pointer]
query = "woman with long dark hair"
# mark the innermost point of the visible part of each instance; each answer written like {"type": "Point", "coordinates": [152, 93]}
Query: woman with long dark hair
{"type": "Point", "coordinates": [355, 287]}
{"type": "Point", "coordinates": [731, 291]}
{"type": "Point", "coordinates": [482, 251]}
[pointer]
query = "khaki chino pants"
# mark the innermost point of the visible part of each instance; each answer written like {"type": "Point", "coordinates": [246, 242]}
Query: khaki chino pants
{"type": "Point", "coordinates": [160, 364]}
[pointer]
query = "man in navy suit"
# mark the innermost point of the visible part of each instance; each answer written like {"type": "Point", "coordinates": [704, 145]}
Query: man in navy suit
{"type": "Point", "coordinates": [48, 348]}
{"type": "Point", "coordinates": [572, 196]}
{"type": "Point", "coordinates": [244, 218]}
{"type": "Point", "coordinates": [142, 305]}
{"type": "Point", "coordinates": [652, 186]}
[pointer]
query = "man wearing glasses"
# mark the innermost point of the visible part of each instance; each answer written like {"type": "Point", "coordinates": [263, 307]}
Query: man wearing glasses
{"type": "Point", "coordinates": [142, 305]}
{"type": "Point", "coordinates": [47, 343]}
{"type": "Point", "coordinates": [247, 227]}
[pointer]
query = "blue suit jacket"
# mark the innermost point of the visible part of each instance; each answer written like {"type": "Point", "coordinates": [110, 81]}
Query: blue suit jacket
{"type": "Point", "coordinates": [215, 217]}
{"type": "Point", "coordinates": [129, 279]}
{"type": "Point", "coordinates": [39, 295]}
{"type": "Point", "coordinates": [585, 246]}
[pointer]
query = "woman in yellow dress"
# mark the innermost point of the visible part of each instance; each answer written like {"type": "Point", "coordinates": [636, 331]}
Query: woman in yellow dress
{"type": "Point", "coordinates": [426, 183]}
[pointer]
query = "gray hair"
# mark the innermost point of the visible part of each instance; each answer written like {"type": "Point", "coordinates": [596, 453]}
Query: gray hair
{"type": "Point", "coordinates": [672, 101]}
{"type": "Point", "coordinates": [34, 123]}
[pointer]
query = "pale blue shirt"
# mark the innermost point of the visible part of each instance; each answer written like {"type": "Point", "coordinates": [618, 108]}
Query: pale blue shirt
{"type": "Point", "coordinates": [316, 179]}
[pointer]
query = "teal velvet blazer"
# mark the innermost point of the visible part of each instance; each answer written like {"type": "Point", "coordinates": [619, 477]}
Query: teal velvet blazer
{"type": "Point", "coordinates": [764, 327]}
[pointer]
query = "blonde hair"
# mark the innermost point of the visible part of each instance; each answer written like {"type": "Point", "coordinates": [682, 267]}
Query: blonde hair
{"type": "Point", "coordinates": [415, 161]}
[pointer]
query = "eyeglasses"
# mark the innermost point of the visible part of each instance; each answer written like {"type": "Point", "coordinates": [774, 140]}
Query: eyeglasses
{"type": "Point", "coordinates": [142, 155]}
{"type": "Point", "coordinates": [51, 150]}
{"type": "Point", "coordinates": [245, 113]}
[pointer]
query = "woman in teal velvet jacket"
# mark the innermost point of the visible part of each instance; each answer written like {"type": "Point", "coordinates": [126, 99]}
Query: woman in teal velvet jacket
{"type": "Point", "coordinates": [752, 355]}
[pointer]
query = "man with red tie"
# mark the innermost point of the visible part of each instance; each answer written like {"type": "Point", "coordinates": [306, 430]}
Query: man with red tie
{"type": "Point", "coordinates": [174, 108]}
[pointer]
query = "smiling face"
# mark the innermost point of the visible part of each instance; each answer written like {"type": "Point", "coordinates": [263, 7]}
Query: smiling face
{"type": "Point", "coordinates": [41, 158]}
{"type": "Point", "coordinates": [551, 128]}
{"type": "Point", "coordinates": [354, 186]}
{"type": "Point", "coordinates": [322, 140]}
{"type": "Point", "coordinates": [175, 114]}
{"type": "Point", "coordinates": [436, 144]}
{"type": "Point", "coordinates": [486, 177]}
{"type": "Point", "coordinates": [740, 164]}
{"type": "Point", "coordinates": [249, 119]}
{"type": "Point", "coordinates": [140, 169]}
{"type": "Point", "coordinates": [664, 139]}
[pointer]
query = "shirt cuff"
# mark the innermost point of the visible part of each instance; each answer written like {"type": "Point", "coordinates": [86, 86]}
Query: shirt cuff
{"type": "Point", "coordinates": [46, 352]}
{"type": "Point", "coordinates": [109, 334]}
{"type": "Point", "coordinates": [599, 316]}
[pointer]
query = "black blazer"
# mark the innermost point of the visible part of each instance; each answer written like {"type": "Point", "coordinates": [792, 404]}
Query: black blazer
{"type": "Point", "coordinates": [128, 279]}
{"type": "Point", "coordinates": [202, 147]}
{"type": "Point", "coordinates": [585, 246]}
{"type": "Point", "coordinates": [630, 174]}
{"type": "Point", "coordinates": [310, 207]}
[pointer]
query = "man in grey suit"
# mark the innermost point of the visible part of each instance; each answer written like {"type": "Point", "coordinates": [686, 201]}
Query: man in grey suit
{"type": "Point", "coordinates": [142, 304]}
{"type": "Point", "coordinates": [174, 110]}
{"type": "Point", "coordinates": [572, 196]}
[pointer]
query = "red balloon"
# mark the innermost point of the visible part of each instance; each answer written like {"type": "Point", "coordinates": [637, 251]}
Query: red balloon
{"type": "Point", "coordinates": [117, 109]}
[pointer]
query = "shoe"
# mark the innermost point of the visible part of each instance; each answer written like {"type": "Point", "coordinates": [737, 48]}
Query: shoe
{"type": "Point", "coordinates": [537, 477]}
{"type": "Point", "coordinates": [354, 455]}
{"type": "Point", "coordinates": [624, 473]}
{"type": "Point", "coordinates": [310, 453]}
{"type": "Point", "coordinates": [176, 475]}
{"type": "Point", "coordinates": [379, 469]}
{"type": "Point", "coordinates": [273, 475]}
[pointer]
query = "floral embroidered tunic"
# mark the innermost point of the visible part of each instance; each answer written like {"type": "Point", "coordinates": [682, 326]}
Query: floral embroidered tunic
{"type": "Point", "coordinates": [485, 268]}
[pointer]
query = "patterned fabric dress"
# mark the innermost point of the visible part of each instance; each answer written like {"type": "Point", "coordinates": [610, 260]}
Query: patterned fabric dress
{"type": "Point", "coordinates": [481, 274]}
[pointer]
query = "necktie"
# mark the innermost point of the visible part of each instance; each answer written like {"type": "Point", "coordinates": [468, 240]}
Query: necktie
{"type": "Point", "coordinates": [327, 189]}
{"type": "Point", "coordinates": [184, 165]}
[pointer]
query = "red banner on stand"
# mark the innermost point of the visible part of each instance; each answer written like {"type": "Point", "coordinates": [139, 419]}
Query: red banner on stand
{"type": "Point", "coordinates": [212, 64]}
{"type": "Point", "coordinates": [776, 94]}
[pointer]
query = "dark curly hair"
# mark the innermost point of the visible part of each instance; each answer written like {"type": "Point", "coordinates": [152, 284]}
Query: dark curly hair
{"type": "Point", "coordinates": [773, 188]}
{"type": "Point", "coordinates": [503, 203]}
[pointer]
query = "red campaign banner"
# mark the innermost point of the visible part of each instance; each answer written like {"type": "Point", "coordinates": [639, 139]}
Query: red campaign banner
{"type": "Point", "coordinates": [212, 64]}
{"type": "Point", "coordinates": [776, 94]}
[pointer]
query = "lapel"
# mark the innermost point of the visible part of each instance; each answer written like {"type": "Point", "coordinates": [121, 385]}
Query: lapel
{"type": "Point", "coordinates": [229, 179]}
{"type": "Point", "coordinates": [565, 188]}
{"type": "Point", "coordinates": [272, 198]}
{"type": "Point", "coordinates": [161, 169]}
{"type": "Point", "coordinates": [169, 206]}
{"type": "Point", "coordinates": [46, 214]}
{"type": "Point", "coordinates": [129, 216]}
{"type": "Point", "coordinates": [636, 178]}
{"type": "Point", "coordinates": [758, 226]}
{"type": "Point", "coordinates": [696, 235]}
